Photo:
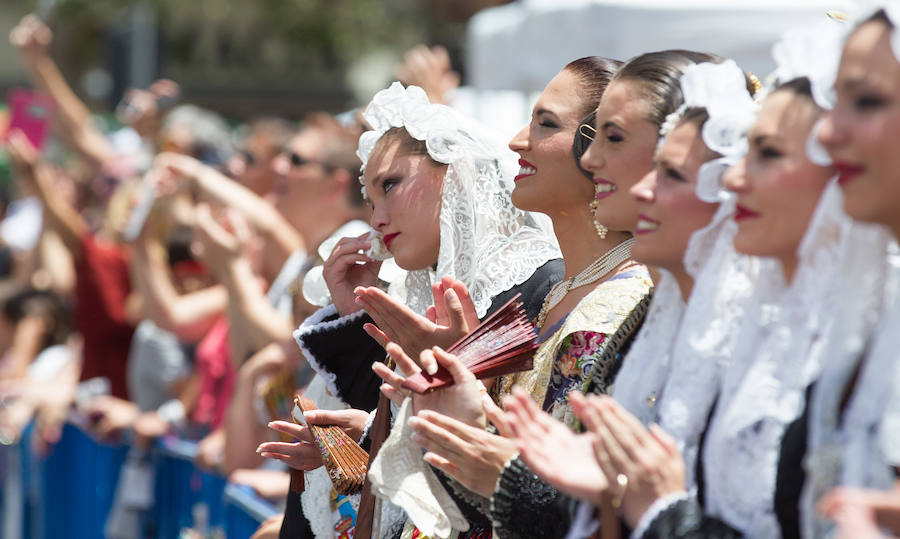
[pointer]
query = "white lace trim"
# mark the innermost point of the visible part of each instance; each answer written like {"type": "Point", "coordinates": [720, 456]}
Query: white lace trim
{"type": "Point", "coordinates": [314, 324]}
{"type": "Point", "coordinates": [846, 449]}
{"type": "Point", "coordinates": [486, 242]}
{"type": "Point", "coordinates": [369, 421]}
{"type": "Point", "coordinates": [639, 384]}
{"type": "Point", "coordinates": [779, 353]}
{"type": "Point", "coordinates": [399, 474]}
{"type": "Point", "coordinates": [723, 282]}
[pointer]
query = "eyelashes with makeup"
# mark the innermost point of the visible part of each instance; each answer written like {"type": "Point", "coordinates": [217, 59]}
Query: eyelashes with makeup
{"type": "Point", "coordinates": [388, 184]}
{"type": "Point", "coordinates": [864, 102]}
{"type": "Point", "coordinates": [673, 174]}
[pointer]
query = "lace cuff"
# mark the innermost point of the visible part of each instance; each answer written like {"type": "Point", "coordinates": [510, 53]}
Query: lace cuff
{"type": "Point", "coordinates": [657, 507]}
{"type": "Point", "coordinates": [524, 506]}
{"type": "Point", "coordinates": [341, 352]}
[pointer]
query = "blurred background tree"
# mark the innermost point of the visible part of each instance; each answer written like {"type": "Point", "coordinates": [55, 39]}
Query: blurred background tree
{"type": "Point", "coordinates": [240, 57]}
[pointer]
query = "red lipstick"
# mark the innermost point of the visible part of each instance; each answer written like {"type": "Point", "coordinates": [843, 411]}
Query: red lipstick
{"type": "Point", "coordinates": [389, 239]}
{"type": "Point", "coordinates": [525, 169]}
{"type": "Point", "coordinates": [847, 172]}
{"type": "Point", "coordinates": [744, 213]}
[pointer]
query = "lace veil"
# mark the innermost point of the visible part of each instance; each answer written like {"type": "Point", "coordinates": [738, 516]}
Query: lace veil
{"type": "Point", "coordinates": [779, 353]}
{"type": "Point", "coordinates": [673, 386]}
{"type": "Point", "coordinates": [857, 446]}
{"type": "Point", "coordinates": [486, 242]}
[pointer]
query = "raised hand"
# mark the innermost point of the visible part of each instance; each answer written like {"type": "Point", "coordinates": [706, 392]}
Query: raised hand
{"type": "Point", "coordinates": [452, 317]}
{"type": "Point", "coordinates": [471, 455]}
{"type": "Point", "coordinates": [31, 36]}
{"type": "Point", "coordinates": [348, 269]}
{"type": "Point", "coordinates": [217, 245]}
{"type": "Point", "coordinates": [461, 401]}
{"type": "Point", "coordinates": [429, 69]}
{"type": "Point", "coordinates": [642, 465]}
{"type": "Point", "coordinates": [559, 456]}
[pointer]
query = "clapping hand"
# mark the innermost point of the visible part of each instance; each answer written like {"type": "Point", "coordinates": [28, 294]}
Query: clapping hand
{"type": "Point", "coordinates": [558, 455]}
{"type": "Point", "coordinates": [471, 455]}
{"type": "Point", "coordinates": [451, 317]}
{"type": "Point", "coordinates": [462, 400]}
{"type": "Point", "coordinates": [641, 465]}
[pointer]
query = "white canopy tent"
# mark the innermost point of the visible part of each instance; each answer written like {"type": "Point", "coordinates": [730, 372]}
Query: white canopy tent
{"type": "Point", "coordinates": [521, 46]}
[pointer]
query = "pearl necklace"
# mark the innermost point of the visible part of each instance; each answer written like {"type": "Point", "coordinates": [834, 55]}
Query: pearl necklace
{"type": "Point", "coordinates": [597, 270]}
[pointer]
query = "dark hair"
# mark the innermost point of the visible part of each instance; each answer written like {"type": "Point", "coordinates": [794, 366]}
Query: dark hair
{"type": "Point", "coordinates": [659, 76]}
{"type": "Point", "coordinates": [698, 117]}
{"type": "Point", "coordinates": [798, 86]}
{"type": "Point", "coordinates": [46, 304]}
{"type": "Point", "coordinates": [879, 16]}
{"type": "Point", "coordinates": [408, 144]}
{"type": "Point", "coordinates": [593, 74]}
{"type": "Point", "coordinates": [584, 135]}
{"type": "Point", "coordinates": [339, 149]}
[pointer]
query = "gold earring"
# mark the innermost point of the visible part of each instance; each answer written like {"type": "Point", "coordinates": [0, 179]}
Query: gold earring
{"type": "Point", "coordinates": [598, 226]}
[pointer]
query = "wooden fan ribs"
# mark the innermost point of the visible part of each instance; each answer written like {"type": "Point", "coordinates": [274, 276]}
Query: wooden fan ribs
{"type": "Point", "coordinates": [344, 459]}
{"type": "Point", "coordinates": [502, 344]}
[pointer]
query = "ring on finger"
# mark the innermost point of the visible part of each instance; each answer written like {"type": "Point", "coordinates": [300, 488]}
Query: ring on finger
{"type": "Point", "coordinates": [622, 482]}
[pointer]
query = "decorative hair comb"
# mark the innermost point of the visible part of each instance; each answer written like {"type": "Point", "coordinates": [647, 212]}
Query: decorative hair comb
{"type": "Point", "coordinates": [502, 344]}
{"type": "Point", "coordinates": [344, 459]}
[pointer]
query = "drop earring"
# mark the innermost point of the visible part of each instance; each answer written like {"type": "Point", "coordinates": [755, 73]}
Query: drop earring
{"type": "Point", "coordinates": [598, 226]}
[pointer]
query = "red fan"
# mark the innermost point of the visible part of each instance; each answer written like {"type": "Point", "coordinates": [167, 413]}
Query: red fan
{"type": "Point", "coordinates": [503, 343]}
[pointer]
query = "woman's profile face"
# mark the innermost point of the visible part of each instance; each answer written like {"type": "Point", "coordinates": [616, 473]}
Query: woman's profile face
{"type": "Point", "coordinates": [405, 194]}
{"type": "Point", "coordinates": [777, 186]}
{"type": "Point", "coordinates": [862, 132]}
{"type": "Point", "coordinates": [548, 180]}
{"type": "Point", "coordinates": [621, 153]}
{"type": "Point", "coordinates": [669, 208]}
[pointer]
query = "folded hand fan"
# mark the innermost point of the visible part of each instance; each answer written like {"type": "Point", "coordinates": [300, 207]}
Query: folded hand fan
{"type": "Point", "coordinates": [344, 459]}
{"type": "Point", "coordinates": [502, 344]}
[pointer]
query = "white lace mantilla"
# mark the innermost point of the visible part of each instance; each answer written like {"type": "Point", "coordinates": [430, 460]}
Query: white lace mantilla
{"type": "Point", "coordinates": [858, 446]}
{"type": "Point", "coordinates": [399, 474]}
{"type": "Point", "coordinates": [724, 281]}
{"type": "Point", "coordinates": [639, 383]}
{"type": "Point", "coordinates": [779, 354]}
{"type": "Point", "coordinates": [486, 242]}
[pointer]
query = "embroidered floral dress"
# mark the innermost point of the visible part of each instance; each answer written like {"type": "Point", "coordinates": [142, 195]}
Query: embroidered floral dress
{"type": "Point", "coordinates": [569, 349]}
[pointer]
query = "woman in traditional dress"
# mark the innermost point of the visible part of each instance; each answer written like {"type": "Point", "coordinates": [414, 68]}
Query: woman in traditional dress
{"type": "Point", "coordinates": [855, 410]}
{"type": "Point", "coordinates": [782, 215]}
{"type": "Point", "coordinates": [622, 152]}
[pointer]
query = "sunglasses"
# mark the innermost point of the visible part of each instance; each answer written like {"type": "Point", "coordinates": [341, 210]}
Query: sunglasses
{"type": "Point", "coordinates": [298, 160]}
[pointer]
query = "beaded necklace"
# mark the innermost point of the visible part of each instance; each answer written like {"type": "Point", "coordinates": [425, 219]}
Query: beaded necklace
{"type": "Point", "coordinates": [595, 271]}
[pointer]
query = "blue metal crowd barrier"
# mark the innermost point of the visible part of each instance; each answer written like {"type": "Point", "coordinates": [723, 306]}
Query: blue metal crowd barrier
{"type": "Point", "coordinates": [69, 492]}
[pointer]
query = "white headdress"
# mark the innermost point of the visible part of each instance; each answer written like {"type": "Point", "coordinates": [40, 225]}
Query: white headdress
{"type": "Point", "coordinates": [779, 352]}
{"type": "Point", "coordinates": [813, 52]}
{"type": "Point", "coordinates": [700, 337]}
{"type": "Point", "coordinates": [846, 444]}
{"type": "Point", "coordinates": [486, 242]}
{"type": "Point", "coordinates": [721, 89]}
